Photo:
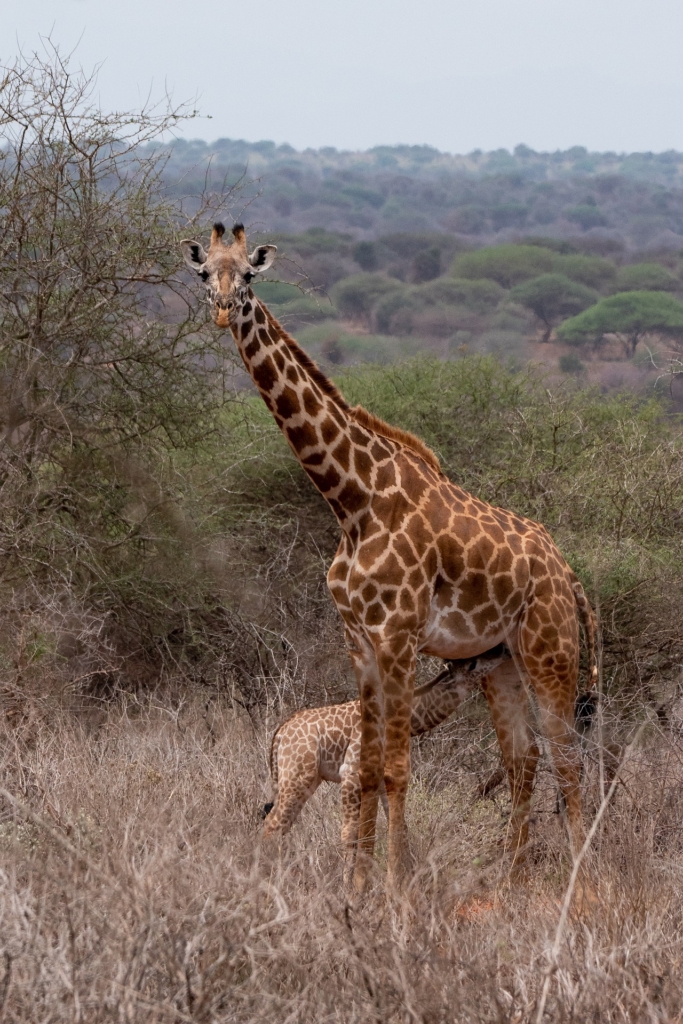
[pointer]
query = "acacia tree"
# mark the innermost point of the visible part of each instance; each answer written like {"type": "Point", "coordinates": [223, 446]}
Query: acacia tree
{"type": "Point", "coordinates": [650, 277]}
{"type": "Point", "coordinates": [106, 364]}
{"type": "Point", "coordinates": [629, 316]}
{"type": "Point", "coordinates": [553, 297]}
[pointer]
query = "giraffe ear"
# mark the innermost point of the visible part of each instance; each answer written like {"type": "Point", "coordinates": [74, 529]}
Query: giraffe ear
{"type": "Point", "coordinates": [262, 257]}
{"type": "Point", "coordinates": [193, 254]}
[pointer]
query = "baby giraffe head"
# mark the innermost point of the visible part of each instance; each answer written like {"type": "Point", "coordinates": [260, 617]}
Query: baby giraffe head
{"type": "Point", "coordinates": [227, 270]}
{"type": "Point", "coordinates": [477, 668]}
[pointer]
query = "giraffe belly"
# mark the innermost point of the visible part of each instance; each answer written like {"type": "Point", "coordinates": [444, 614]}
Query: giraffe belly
{"type": "Point", "coordinates": [333, 744]}
{"type": "Point", "coordinates": [330, 771]}
{"type": "Point", "coordinates": [450, 634]}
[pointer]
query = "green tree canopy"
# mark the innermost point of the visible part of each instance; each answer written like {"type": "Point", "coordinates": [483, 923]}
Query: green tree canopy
{"type": "Point", "coordinates": [365, 255]}
{"type": "Point", "coordinates": [593, 271]}
{"type": "Point", "coordinates": [553, 297]}
{"type": "Point", "coordinates": [426, 264]}
{"type": "Point", "coordinates": [651, 277]}
{"type": "Point", "coordinates": [397, 301]}
{"type": "Point", "coordinates": [629, 315]}
{"type": "Point", "coordinates": [357, 295]}
{"type": "Point", "coordinates": [480, 296]}
{"type": "Point", "coordinates": [509, 265]}
{"type": "Point", "coordinates": [587, 215]}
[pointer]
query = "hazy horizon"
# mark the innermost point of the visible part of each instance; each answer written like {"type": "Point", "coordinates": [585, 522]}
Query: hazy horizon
{"type": "Point", "coordinates": [457, 76]}
{"type": "Point", "coordinates": [211, 142]}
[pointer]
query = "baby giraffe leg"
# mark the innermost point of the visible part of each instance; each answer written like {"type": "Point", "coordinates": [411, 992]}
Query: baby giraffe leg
{"type": "Point", "coordinates": [294, 789]}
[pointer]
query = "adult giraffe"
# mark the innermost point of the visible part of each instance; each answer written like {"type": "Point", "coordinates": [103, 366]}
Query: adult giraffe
{"type": "Point", "coordinates": [421, 567]}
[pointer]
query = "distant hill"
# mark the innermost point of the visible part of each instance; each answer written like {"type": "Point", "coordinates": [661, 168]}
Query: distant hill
{"type": "Point", "coordinates": [609, 202]}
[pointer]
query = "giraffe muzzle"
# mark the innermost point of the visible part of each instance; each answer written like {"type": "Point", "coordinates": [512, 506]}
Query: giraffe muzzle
{"type": "Point", "coordinates": [223, 312]}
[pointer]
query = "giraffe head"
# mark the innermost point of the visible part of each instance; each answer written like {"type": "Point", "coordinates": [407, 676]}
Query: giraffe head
{"type": "Point", "coordinates": [227, 270]}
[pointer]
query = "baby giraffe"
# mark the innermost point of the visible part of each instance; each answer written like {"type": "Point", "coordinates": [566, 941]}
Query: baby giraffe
{"type": "Point", "coordinates": [323, 744]}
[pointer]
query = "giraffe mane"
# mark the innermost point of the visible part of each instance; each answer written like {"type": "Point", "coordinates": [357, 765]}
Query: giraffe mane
{"type": "Point", "coordinates": [358, 412]}
{"type": "Point", "coordinates": [402, 437]}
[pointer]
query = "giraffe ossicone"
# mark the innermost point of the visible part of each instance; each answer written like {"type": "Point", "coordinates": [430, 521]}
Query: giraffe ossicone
{"type": "Point", "coordinates": [422, 566]}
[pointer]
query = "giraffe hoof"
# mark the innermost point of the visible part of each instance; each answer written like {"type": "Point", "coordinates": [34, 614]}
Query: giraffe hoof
{"type": "Point", "coordinates": [360, 874]}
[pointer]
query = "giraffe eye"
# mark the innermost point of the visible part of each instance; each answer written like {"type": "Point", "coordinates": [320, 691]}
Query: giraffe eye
{"type": "Point", "coordinates": [248, 276]}
{"type": "Point", "coordinates": [204, 275]}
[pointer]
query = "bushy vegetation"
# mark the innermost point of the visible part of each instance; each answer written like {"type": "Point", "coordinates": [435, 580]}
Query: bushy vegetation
{"type": "Point", "coordinates": [154, 523]}
{"type": "Point", "coordinates": [611, 201]}
{"type": "Point", "coordinates": [371, 230]}
{"type": "Point", "coordinates": [108, 376]}
{"type": "Point", "coordinates": [491, 300]}
{"type": "Point", "coordinates": [164, 603]}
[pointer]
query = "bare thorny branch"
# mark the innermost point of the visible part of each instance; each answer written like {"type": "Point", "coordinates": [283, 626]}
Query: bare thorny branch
{"type": "Point", "coordinates": [108, 368]}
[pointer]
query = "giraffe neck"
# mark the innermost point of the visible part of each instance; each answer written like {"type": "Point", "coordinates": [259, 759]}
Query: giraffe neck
{"type": "Point", "coordinates": [432, 705]}
{"type": "Point", "coordinates": [338, 455]}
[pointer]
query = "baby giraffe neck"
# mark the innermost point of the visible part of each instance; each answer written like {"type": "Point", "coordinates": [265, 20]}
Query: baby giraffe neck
{"type": "Point", "coordinates": [309, 410]}
{"type": "Point", "coordinates": [433, 706]}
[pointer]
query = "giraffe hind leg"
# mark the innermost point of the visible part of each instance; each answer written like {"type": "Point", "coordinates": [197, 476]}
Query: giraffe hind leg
{"type": "Point", "coordinates": [557, 716]}
{"type": "Point", "coordinates": [553, 673]}
{"type": "Point", "coordinates": [510, 712]}
{"type": "Point", "coordinates": [383, 800]}
{"type": "Point", "coordinates": [291, 797]}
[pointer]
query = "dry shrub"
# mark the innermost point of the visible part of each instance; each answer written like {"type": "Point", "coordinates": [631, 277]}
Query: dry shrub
{"type": "Point", "coordinates": [134, 887]}
{"type": "Point", "coordinates": [109, 376]}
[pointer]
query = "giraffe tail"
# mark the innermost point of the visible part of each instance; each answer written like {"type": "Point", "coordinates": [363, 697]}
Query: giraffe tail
{"type": "Point", "coordinates": [588, 621]}
{"type": "Point", "coordinates": [587, 701]}
{"type": "Point", "coordinates": [272, 765]}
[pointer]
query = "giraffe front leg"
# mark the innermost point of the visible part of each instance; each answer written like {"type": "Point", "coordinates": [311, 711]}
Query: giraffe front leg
{"type": "Point", "coordinates": [371, 759]}
{"type": "Point", "coordinates": [350, 800]}
{"type": "Point", "coordinates": [397, 659]}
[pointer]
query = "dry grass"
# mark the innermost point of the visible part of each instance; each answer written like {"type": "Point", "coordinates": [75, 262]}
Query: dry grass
{"type": "Point", "coordinates": [133, 888]}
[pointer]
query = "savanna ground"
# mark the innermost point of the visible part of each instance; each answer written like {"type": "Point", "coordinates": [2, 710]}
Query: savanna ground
{"type": "Point", "coordinates": [134, 759]}
{"type": "Point", "coordinates": [133, 887]}
{"type": "Point", "coordinates": [163, 607]}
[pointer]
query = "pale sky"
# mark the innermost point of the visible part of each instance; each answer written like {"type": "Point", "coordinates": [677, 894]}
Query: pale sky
{"type": "Point", "coordinates": [455, 74]}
